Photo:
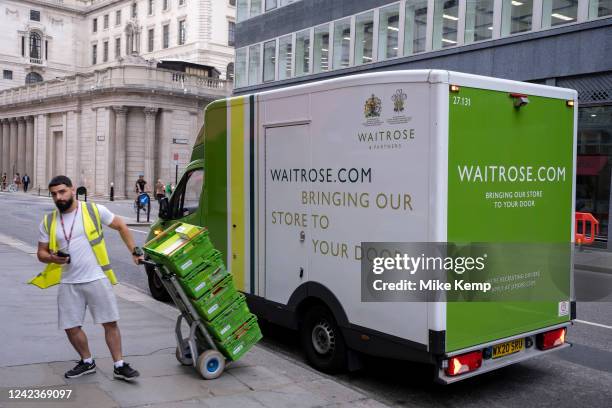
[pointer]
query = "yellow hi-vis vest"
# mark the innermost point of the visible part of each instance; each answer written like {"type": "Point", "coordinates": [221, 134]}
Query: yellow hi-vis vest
{"type": "Point", "coordinates": [93, 230]}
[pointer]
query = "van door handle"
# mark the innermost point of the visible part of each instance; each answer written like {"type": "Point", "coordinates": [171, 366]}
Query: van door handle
{"type": "Point", "coordinates": [301, 272]}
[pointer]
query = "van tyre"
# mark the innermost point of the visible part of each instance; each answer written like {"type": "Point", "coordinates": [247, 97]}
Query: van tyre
{"type": "Point", "coordinates": [322, 341]}
{"type": "Point", "coordinates": [156, 286]}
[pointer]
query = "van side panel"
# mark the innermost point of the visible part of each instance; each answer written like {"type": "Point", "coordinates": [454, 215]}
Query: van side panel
{"type": "Point", "coordinates": [215, 174]}
{"type": "Point", "coordinates": [486, 129]}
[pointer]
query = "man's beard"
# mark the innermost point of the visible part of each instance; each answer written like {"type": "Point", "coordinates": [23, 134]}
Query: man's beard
{"type": "Point", "coordinates": [63, 206]}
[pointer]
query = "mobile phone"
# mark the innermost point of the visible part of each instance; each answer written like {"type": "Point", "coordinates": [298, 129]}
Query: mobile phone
{"type": "Point", "coordinates": [63, 255]}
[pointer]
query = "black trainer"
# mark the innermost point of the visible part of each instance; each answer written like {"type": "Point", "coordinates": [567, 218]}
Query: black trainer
{"type": "Point", "coordinates": [80, 369]}
{"type": "Point", "coordinates": [125, 372]}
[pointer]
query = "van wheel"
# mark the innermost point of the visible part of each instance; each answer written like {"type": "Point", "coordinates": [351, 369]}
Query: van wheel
{"type": "Point", "coordinates": [322, 340]}
{"type": "Point", "coordinates": [155, 286]}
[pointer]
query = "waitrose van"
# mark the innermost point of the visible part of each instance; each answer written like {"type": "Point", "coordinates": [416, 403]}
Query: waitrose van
{"type": "Point", "coordinates": [291, 182]}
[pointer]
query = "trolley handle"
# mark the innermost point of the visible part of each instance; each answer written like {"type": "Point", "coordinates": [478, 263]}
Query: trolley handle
{"type": "Point", "coordinates": [147, 262]}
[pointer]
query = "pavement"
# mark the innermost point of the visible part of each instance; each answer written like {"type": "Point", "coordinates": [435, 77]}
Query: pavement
{"type": "Point", "coordinates": [35, 354]}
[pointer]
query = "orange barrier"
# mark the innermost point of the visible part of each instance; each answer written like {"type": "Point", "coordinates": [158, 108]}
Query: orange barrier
{"type": "Point", "coordinates": [582, 219]}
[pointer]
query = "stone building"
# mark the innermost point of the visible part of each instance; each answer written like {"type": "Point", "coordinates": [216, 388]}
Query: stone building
{"type": "Point", "coordinates": [81, 92]}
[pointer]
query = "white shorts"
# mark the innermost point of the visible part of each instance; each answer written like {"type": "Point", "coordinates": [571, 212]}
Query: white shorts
{"type": "Point", "coordinates": [73, 299]}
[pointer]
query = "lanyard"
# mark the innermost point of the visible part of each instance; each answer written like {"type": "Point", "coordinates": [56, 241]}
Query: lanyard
{"type": "Point", "coordinates": [69, 237]}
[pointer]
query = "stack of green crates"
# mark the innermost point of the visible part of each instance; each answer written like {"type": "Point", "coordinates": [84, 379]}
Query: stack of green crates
{"type": "Point", "coordinates": [186, 251]}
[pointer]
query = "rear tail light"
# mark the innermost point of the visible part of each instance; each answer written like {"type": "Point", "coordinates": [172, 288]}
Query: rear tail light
{"type": "Point", "coordinates": [464, 363]}
{"type": "Point", "coordinates": [551, 339]}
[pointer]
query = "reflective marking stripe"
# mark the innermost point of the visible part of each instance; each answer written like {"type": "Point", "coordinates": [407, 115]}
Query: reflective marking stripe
{"type": "Point", "coordinates": [91, 213]}
{"type": "Point", "coordinates": [48, 216]}
{"type": "Point", "coordinates": [96, 241]}
{"type": "Point", "coordinates": [106, 268]}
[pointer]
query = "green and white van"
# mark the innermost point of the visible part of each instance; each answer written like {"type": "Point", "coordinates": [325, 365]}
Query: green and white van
{"type": "Point", "coordinates": [290, 182]}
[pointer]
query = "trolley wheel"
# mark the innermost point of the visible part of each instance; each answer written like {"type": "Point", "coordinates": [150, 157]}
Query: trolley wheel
{"type": "Point", "coordinates": [210, 364]}
{"type": "Point", "coordinates": [184, 359]}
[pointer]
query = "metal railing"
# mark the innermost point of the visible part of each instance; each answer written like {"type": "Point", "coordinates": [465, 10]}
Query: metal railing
{"type": "Point", "coordinates": [117, 78]}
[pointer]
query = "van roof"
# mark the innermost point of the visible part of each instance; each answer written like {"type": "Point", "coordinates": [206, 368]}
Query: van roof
{"type": "Point", "coordinates": [422, 75]}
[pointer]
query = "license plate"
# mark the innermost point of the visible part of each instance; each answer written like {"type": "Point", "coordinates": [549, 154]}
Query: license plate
{"type": "Point", "coordinates": [509, 347]}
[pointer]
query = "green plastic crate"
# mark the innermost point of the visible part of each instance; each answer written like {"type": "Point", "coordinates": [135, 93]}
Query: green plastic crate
{"type": "Point", "coordinates": [234, 316]}
{"type": "Point", "coordinates": [177, 254]}
{"type": "Point", "coordinates": [201, 280]}
{"type": "Point", "coordinates": [212, 303]}
{"type": "Point", "coordinates": [241, 341]}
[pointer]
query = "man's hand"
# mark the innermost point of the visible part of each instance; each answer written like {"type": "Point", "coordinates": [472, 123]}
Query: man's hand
{"type": "Point", "coordinates": [137, 259]}
{"type": "Point", "coordinates": [47, 256]}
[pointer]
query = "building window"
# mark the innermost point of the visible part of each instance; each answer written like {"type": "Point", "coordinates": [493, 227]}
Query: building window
{"type": "Point", "coordinates": [33, 77]}
{"type": "Point", "coordinates": [285, 56]}
{"type": "Point", "coordinates": [342, 43]}
{"type": "Point", "coordinates": [165, 5]}
{"type": "Point", "coordinates": [35, 46]}
{"type": "Point", "coordinates": [230, 71]}
{"type": "Point", "coordinates": [231, 33]}
{"type": "Point", "coordinates": [118, 17]}
{"type": "Point", "coordinates": [105, 21]}
{"type": "Point", "coordinates": [557, 12]}
{"type": "Point", "coordinates": [270, 4]}
{"type": "Point", "coordinates": [302, 52]}
{"type": "Point", "coordinates": [166, 36]}
{"type": "Point", "coordinates": [516, 16]}
{"type": "Point", "coordinates": [151, 6]}
{"type": "Point", "coordinates": [95, 25]}
{"type": "Point", "coordinates": [105, 51]}
{"type": "Point", "coordinates": [388, 32]}
{"type": "Point", "coordinates": [117, 47]}
{"type": "Point", "coordinates": [134, 10]}
{"type": "Point", "coordinates": [600, 8]}
{"type": "Point", "coordinates": [181, 2]}
{"type": "Point", "coordinates": [446, 17]}
{"type": "Point", "coordinates": [232, 3]}
{"type": "Point", "coordinates": [415, 29]}
{"type": "Point", "coordinates": [242, 10]}
{"type": "Point", "coordinates": [94, 54]}
{"type": "Point", "coordinates": [34, 15]}
{"type": "Point", "coordinates": [478, 20]}
{"type": "Point", "coordinates": [182, 32]}
{"type": "Point", "coordinates": [364, 36]}
{"type": "Point", "coordinates": [151, 39]}
{"type": "Point", "coordinates": [46, 50]}
{"type": "Point", "coordinates": [254, 64]}
{"type": "Point", "coordinates": [255, 8]}
{"type": "Point", "coordinates": [321, 49]}
{"type": "Point", "coordinates": [269, 64]}
{"type": "Point", "coordinates": [7, 74]}
{"type": "Point", "coordinates": [240, 73]}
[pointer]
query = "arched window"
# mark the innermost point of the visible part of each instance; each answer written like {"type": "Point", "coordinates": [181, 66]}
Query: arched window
{"type": "Point", "coordinates": [35, 46]}
{"type": "Point", "coordinates": [230, 71]}
{"type": "Point", "coordinates": [33, 77]}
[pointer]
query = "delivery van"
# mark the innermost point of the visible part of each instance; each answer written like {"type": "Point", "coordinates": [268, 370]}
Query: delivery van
{"type": "Point", "coordinates": [291, 182]}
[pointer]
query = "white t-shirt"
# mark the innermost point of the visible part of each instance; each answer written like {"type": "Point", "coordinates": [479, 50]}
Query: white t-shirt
{"type": "Point", "coordinates": [83, 266]}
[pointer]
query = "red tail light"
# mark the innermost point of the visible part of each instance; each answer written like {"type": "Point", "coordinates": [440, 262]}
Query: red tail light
{"type": "Point", "coordinates": [551, 339]}
{"type": "Point", "coordinates": [464, 363]}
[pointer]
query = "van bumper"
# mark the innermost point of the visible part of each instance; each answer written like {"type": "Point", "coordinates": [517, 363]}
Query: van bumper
{"type": "Point", "coordinates": [493, 364]}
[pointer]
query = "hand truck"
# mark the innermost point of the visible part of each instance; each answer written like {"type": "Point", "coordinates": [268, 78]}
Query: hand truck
{"type": "Point", "coordinates": [198, 349]}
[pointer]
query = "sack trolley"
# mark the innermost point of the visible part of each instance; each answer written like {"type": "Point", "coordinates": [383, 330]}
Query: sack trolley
{"type": "Point", "coordinates": [198, 348]}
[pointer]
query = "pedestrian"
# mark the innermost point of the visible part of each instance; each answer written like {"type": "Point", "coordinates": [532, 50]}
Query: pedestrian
{"type": "Point", "coordinates": [71, 243]}
{"type": "Point", "coordinates": [17, 181]}
{"type": "Point", "coordinates": [4, 181]}
{"type": "Point", "coordinates": [26, 182]}
{"type": "Point", "coordinates": [160, 190]}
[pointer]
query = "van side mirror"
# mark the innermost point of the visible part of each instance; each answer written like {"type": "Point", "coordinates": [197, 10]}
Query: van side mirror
{"type": "Point", "coordinates": [164, 209]}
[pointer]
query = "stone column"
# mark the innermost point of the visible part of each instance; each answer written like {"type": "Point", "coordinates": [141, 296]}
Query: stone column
{"type": "Point", "coordinates": [164, 143]}
{"type": "Point", "coordinates": [21, 145]}
{"type": "Point", "coordinates": [1, 147]}
{"type": "Point", "coordinates": [6, 143]}
{"type": "Point", "coordinates": [29, 148]}
{"type": "Point", "coordinates": [120, 149]}
{"type": "Point", "coordinates": [13, 149]}
{"type": "Point", "coordinates": [149, 146]}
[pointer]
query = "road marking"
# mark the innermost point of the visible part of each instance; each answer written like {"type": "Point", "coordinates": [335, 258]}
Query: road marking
{"type": "Point", "coordinates": [594, 324]}
{"type": "Point", "coordinates": [135, 230]}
